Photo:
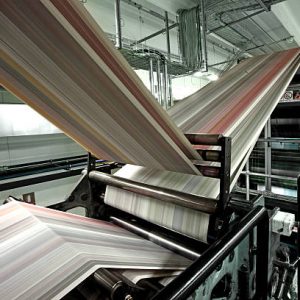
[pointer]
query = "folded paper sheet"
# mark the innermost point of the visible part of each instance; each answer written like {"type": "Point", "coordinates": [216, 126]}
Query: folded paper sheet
{"type": "Point", "coordinates": [45, 253]}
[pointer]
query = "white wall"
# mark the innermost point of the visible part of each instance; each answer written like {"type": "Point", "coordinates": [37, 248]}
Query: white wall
{"type": "Point", "coordinates": [26, 136]}
{"type": "Point", "coordinates": [31, 148]}
{"type": "Point", "coordinates": [187, 85]}
{"type": "Point", "coordinates": [46, 193]}
{"type": "Point", "coordinates": [290, 8]}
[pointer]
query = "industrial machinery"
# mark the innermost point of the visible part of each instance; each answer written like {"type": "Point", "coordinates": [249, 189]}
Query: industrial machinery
{"type": "Point", "coordinates": [252, 250]}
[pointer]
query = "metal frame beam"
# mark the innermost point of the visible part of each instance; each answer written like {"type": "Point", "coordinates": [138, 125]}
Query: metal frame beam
{"type": "Point", "coordinates": [118, 24]}
{"type": "Point", "coordinates": [268, 156]}
{"type": "Point", "coordinates": [235, 21]}
{"type": "Point", "coordinates": [190, 279]}
{"type": "Point", "coordinates": [150, 36]}
{"type": "Point", "coordinates": [203, 30]}
{"type": "Point", "coordinates": [169, 100]}
{"type": "Point", "coordinates": [263, 5]}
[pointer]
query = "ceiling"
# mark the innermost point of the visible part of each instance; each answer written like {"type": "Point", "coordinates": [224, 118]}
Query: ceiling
{"type": "Point", "coordinates": [266, 26]}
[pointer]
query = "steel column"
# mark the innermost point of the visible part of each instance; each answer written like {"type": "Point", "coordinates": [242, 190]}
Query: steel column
{"type": "Point", "coordinates": [262, 259]}
{"type": "Point", "coordinates": [247, 181]}
{"type": "Point", "coordinates": [167, 35]}
{"type": "Point", "coordinates": [118, 24]}
{"type": "Point", "coordinates": [168, 77]}
{"type": "Point", "coordinates": [165, 85]}
{"type": "Point", "coordinates": [268, 156]}
{"type": "Point", "coordinates": [158, 76]}
{"type": "Point", "coordinates": [225, 172]}
{"type": "Point", "coordinates": [203, 36]}
{"type": "Point", "coordinates": [151, 79]}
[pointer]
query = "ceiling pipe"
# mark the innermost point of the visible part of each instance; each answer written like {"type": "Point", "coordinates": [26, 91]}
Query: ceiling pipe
{"type": "Point", "coordinates": [235, 21]}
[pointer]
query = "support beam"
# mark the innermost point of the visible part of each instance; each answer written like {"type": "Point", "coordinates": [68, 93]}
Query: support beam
{"type": "Point", "coordinates": [190, 279]}
{"type": "Point", "coordinates": [165, 85]}
{"type": "Point", "coordinates": [158, 76]}
{"type": "Point", "coordinates": [268, 156]}
{"type": "Point", "coordinates": [144, 9]}
{"type": "Point", "coordinates": [270, 44]}
{"type": "Point", "coordinates": [247, 181]}
{"type": "Point", "coordinates": [236, 21]}
{"type": "Point", "coordinates": [169, 98]}
{"type": "Point", "coordinates": [203, 29]}
{"type": "Point", "coordinates": [148, 37]}
{"type": "Point", "coordinates": [118, 24]}
{"type": "Point", "coordinates": [263, 5]}
{"type": "Point", "coordinates": [167, 35]}
{"type": "Point", "coordinates": [151, 79]}
{"type": "Point", "coordinates": [279, 177]}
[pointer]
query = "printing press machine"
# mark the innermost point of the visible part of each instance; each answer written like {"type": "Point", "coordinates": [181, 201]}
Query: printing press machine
{"type": "Point", "coordinates": [252, 250]}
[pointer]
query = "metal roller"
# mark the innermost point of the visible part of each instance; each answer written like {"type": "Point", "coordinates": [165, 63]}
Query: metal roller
{"type": "Point", "coordinates": [204, 139]}
{"type": "Point", "coordinates": [207, 205]}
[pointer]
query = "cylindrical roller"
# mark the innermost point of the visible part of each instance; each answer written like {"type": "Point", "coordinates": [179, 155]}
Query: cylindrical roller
{"type": "Point", "coordinates": [155, 238]}
{"type": "Point", "coordinates": [204, 139]}
{"type": "Point", "coordinates": [207, 205]}
{"type": "Point", "coordinates": [111, 283]}
{"type": "Point", "coordinates": [210, 155]}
